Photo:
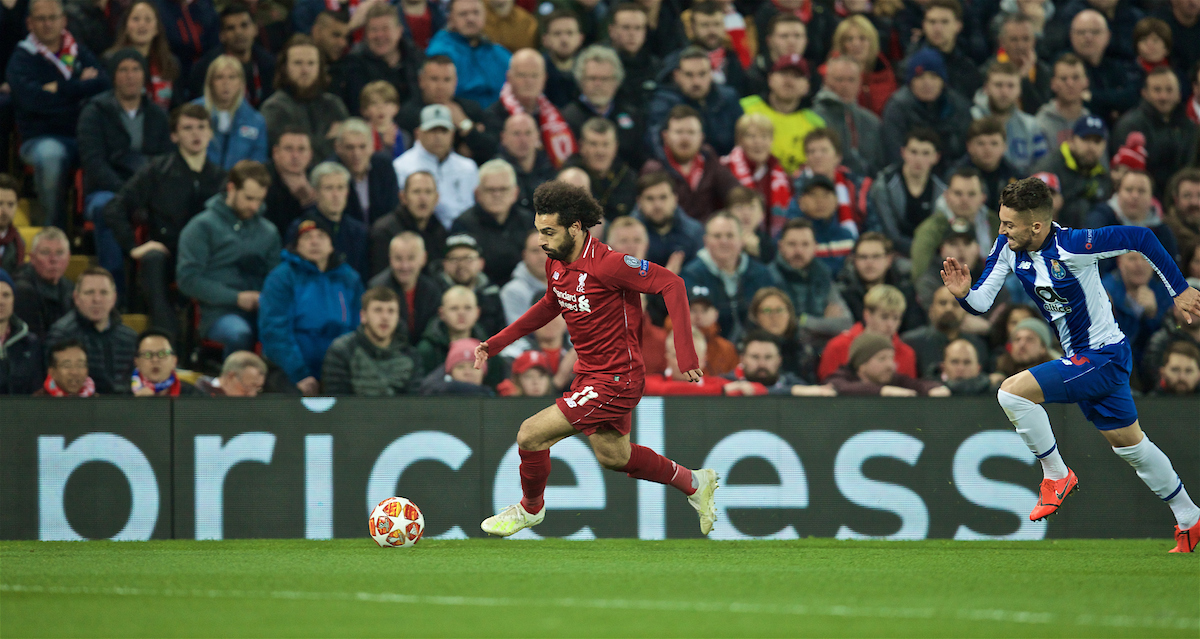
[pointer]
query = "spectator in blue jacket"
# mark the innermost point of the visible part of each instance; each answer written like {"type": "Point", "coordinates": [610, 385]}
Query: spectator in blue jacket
{"type": "Point", "coordinates": [192, 29]}
{"type": "Point", "coordinates": [724, 273]}
{"type": "Point", "coordinates": [239, 132]}
{"type": "Point", "coordinates": [693, 85]}
{"type": "Point", "coordinates": [312, 298]}
{"type": "Point", "coordinates": [482, 65]}
{"type": "Point", "coordinates": [51, 76]}
{"type": "Point", "coordinates": [331, 181]}
{"type": "Point", "coordinates": [674, 236]}
{"type": "Point", "coordinates": [1139, 298]}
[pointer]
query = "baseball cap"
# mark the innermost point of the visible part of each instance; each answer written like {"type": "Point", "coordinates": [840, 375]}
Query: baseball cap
{"type": "Point", "coordinates": [460, 240]}
{"type": "Point", "coordinates": [927, 60]}
{"type": "Point", "coordinates": [1089, 125]}
{"type": "Point", "coordinates": [792, 62]}
{"type": "Point", "coordinates": [818, 181]}
{"type": "Point", "coordinates": [7, 279]}
{"type": "Point", "coordinates": [532, 358]}
{"type": "Point", "coordinates": [307, 224]}
{"type": "Point", "coordinates": [436, 115]}
{"type": "Point", "coordinates": [700, 295]}
{"type": "Point", "coordinates": [462, 350]}
{"type": "Point", "coordinates": [1050, 179]}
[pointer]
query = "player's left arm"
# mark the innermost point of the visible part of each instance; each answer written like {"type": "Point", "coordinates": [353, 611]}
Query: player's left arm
{"type": "Point", "coordinates": [1110, 241]}
{"type": "Point", "coordinates": [644, 276]}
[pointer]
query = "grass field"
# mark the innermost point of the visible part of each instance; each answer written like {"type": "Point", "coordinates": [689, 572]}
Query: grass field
{"type": "Point", "coordinates": [626, 588]}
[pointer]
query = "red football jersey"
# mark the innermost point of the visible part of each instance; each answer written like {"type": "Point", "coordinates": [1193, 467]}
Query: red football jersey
{"type": "Point", "coordinates": [599, 297]}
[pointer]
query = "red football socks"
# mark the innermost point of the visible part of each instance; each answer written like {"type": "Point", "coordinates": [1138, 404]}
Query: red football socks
{"type": "Point", "coordinates": [649, 465]}
{"type": "Point", "coordinates": [535, 471]}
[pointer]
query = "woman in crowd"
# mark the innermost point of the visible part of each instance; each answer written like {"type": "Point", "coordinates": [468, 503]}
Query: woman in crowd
{"type": "Point", "coordinates": [239, 132]}
{"type": "Point", "coordinates": [141, 29]}
{"type": "Point", "coordinates": [857, 38]}
{"type": "Point", "coordinates": [772, 311]}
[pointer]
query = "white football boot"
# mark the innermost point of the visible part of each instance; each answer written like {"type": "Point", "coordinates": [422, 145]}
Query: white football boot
{"type": "Point", "coordinates": [512, 520]}
{"type": "Point", "coordinates": [702, 500]}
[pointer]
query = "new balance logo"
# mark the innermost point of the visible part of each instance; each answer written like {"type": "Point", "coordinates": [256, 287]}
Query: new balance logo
{"type": "Point", "coordinates": [555, 277]}
{"type": "Point", "coordinates": [1025, 264]}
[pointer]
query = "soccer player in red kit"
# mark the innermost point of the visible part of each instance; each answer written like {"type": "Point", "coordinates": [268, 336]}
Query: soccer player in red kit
{"type": "Point", "coordinates": [597, 290]}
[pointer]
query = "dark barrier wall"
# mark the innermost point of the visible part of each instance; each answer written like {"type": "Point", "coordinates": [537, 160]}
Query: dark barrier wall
{"type": "Point", "coordinates": [792, 467]}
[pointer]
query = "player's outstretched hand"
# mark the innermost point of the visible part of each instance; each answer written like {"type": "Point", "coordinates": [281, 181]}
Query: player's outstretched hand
{"type": "Point", "coordinates": [1189, 302]}
{"type": "Point", "coordinates": [481, 355]}
{"type": "Point", "coordinates": [694, 375]}
{"type": "Point", "coordinates": [956, 277]}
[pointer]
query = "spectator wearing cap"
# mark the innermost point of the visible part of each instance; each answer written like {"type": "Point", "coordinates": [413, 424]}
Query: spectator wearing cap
{"type": "Point", "coordinates": [521, 148]}
{"type": "Point", "coordinates": [373, 187]}
{"type": "Point", "coordinates": [1000, 99]}
{"type": "Point", "coordinates": [941, 27]}
{"type": "Point", "coordinates": [113, 144]}
{"type": "Point", "coordinates": [301, 96]}
{"type": "Point", "coordinates": [1078, 163]}
{"type": "Point", "coordinates": [1029, 344]}
{"type": "Point", "coordinates": [858, 127]}
{"type": "Point", "coordinates": [418, 293]}
{"type": "Point", "coordinates": [961, 372]}
{"type": "Point", "coordinates": [458, 319]}
{"type": "Point", "coordinates": [1162, 118]}
{"type": "Point", "coordinates": [463, 265]}
{"type": "Point", "coordinates": [823, 153]}
{"type": "Point", "coordinates": [376, 359]}
{"type": "Point", "coordinates": [1140, 301]}
{"type": "Point", "coordinates": [21, 352]}
{"type": "Point", "coordinates": [600, 74]}
{"type": "Point", "coordinates": [528, 280]}
{"type": "Point", "coordinates": [1133, 205]}
{"type": "Point", "coordinates": [331, 181]}
{"type": "Point", "coordinates": [986, 153]}
{"type": "Point", "coordinates": [961, 209]}
{"type": "Point", "coordinates": [498, 225]}
{"type": "Point", "coordinates": [312, 298]}
{"type": "Point", "coordinates": [242, 375]}
{"type": "Point", "coordinates": [762, 363]}
{"type": "Point", "coordinates": [715, 106]}
{"type": "Point", "coordinates": [155, 375]}
{"type": "Point", "coordinates": [729, 275]}
{"type": "Point", "coordinates": [1112, 81]}
{"type": "Point", "coordinates": [458, 375]}
{"type": "Point", "coordinates": [67, 376]}
{"type": "Point", "coordinates": [531, 376]}
{"type": "Point", "coordinates": [946, 324]}
{"type": "Point", "coordinates": [43, 292]}
{"type": "Point", "coordinates": [927, 101]}
{"type": "Point", "coordinates": [416, 213]}
{"type": "Point", "coordinates": [480, 62]}
{"type": "Point", "coordinates": [50, 76]}
{"type": "Point", "coordinates": [455, 175]}
{"type": "Point", "coordinates": [1175, 328]}
{"type": "Point", "coordinates": [754, 163]}
{"type": "Point", "coordinates": [613, 180]}
{"type": "Point", "coordinates": [816, 203]}
{"type": "Point", "coordinates": [788, 87]}
{"type": "Point", "coordinates": [819, 307]}
{"type": "Point", "coordinates": [1069, 84]}
{"type": "Point", "coordinates": [95, 322]}
{"type": "Point", "coordinates": [1179, 375]}
{"type": "Point", "coordinates": [904, 194]}
{"type": "Point", "coordinates": [883, 308]}
{"type": "Point", "coordinates": [871, 369]}
{"type": "Point", "coordinates": [701, 182]}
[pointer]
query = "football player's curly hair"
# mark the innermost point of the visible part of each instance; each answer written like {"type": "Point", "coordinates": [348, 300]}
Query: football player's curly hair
{"type": "Point", "coordinates": [571, 203]}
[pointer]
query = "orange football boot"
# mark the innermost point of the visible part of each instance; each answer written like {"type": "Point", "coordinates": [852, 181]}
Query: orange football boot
{"type": "Point", "coordinates": [1185, 540]}
{"type": "Point", "coordinates": [1051, 495]}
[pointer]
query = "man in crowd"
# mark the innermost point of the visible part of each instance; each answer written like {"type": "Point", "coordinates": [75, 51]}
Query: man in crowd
{"type": "Point", "coordinates": [331, 182]}
{"type": "Point", "coordinates": [458, 318]}
{"type": "Point", "coordinates": [1081, 174]}
{"type": "Point", "coordinates": [961, 372]}
{"type": "Point", "coordinates": [627, 34]}
{"type": "Point", "coordinates": [528, 281]}
{"type": "Point", "coordinates": [497, 224]}
{"type": "Point", "coordinates": [1069, 84]}
{"type": "Point", "coordinates": [860, 129]}
{"type": "Point", "coordinates": [154, 375]}
{"type": "Point", "coordinates": [225, 254]}
{"type": "Point", "coordinates": [986, 153]}
{"type": "Point", "coordinates": [927, 101]}
{"type": "Point", "coordinates": [701, 182]}
{"type": "Point", "coordinates": [455, 175]}
{"type": "Point", "coordinates": [613, 181]}
{"type": "Point", "coordinates": [480, 63]}
{"type": "Point", "coordinates": [871, 370]}
{"type": "Point", "coordinates": [302, 96]}
{"type": "Point", "coordinates": [243, 374]}
{"type": "Point", "coordinates": [785, 35]}
{"type": "Point", "coordinates": [1029, 344]}
{"type": "Point", "coordinates": [372, 178]}
{"type": "Point", "coordinates": [817, 204]}
{"type": "Point", "coordinates": [95, 322]}
{"type": "Point", "coordinates": [166, 193]}
{"type": "Point", "coordinates": [463, 266]}
{"type": "Point", "coordinates": [239, 38]}
{"type": "Point", "coordinates": [940, 28]}
{"type": "Point", "coordinates": [961, 209]}
{"type": "Point", "coordinates": [1180, 373]}
{"type": "Point", "coordinates": [762, 363]}
{"type": "Point", "coordinates": [561, 41]}
{"type": "Point", "coordinates": [873, 262]}
{"type": "Point", "coordinates": [21, 351]}
{"type": "Point", "coordinates": [1133, 205]}
{"type": "Point", "coordinates": [329, 33]}
{"type": "Point", "coordinates": [1162, 119]}
{"type": "Point", "coordinates": [599, 73]}
{"type": "Point", "coordinates": [50, 76]}
{"type": "Point", "coordinates": [437, 82]}
{"type": "Point", "coordinates": [883, 308]}
{"type": "Point", "coordinates": [1112, 82]}
{"type": "Point", "coordinates": [12, 245]}
{"type": "Point", "coordinates": [708, 34]}
{"type": "Point", "coordinates": [730, 276]}
{"type": "Point", "coordinates": [68, 371]}
{"type": "Point", "coordinates": [418, 202]}
{"type": "Point", "coordinates": [1184, 219]}
{"type": "Point", "coordinates": [808, 281]}
{"type": "Point", "coordinates": [783, 104]}
{"type": "Point", "coordinates": [43, 292]}
{"type": "Point", "coordinates": [418, 294]}
{"type": "Point", "coordinates": [903, 194]}
{"type": "Point", "coordinates": [945, 325]}
{"type": "Point", "coordinates": [520, 147]}
{"type": "Point", "coordinates": [387, 55]}
{"type": "Point", "coordinates": [523, 92]}
{"type": "Point", "coordinates": [823, 155]}
{"type": "Point", "coordinates": [509, 25]}
{"type": "Point", "coordinates": [1001, 99]}
{"type": "Point", "coordinates": [716, 106]}
{"type": "Point", "coordinates": [1017, 42]}
{"type": "Point", "coordinates": [290, 192]}
{"type": "Point", "coordinates": [674, 236]}
{"type": "Point", "coordinates": [373, 361]}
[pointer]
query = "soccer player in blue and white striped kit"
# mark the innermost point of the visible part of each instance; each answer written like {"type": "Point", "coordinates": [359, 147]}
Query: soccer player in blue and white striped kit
{"type": "Point", "coordinates": [1058, 268]}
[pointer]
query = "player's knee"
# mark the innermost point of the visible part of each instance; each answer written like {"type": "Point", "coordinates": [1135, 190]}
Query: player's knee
{"type": "Point", "coordinates": [1011, 384]}
{"type": "Point", "coordinates": [528, 438]}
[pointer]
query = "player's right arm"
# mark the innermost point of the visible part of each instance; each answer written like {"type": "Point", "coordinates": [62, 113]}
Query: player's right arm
{"type": "Point", "coordinates": [978, 299]}
{"type": "Point", "coordinates": [537, 316]}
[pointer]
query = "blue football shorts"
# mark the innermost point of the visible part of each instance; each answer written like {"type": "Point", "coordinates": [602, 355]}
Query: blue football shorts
{"type": "Point", "coordinates": [1097, 380]}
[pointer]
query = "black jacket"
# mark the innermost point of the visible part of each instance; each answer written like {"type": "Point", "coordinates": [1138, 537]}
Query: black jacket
{"type": "Point", "coordinates": [104, 146]}
{"type": "Point", "coordinates": [281, 206]}
{"type": "Point", "coordinates": [382, 191]}
{"type": "Point", "coordinates": [500, 244]}
{"type": "Point", "coordinates": [355, 366]}
{"type": "Point", "coordinates": [428, 299]}
{"type": "Point", "coordinates": [481, 147]}
{"type": "Point", "coordinates": [615, 190]}
{"type": "Point", "coordinates": [390, 225]}
{"type": "Point", "coordinates": [39, 303]}
{"type": "Point", "coordinates": [561, 87]}
{"type": "Point", "coordinates": [259, 72]}
{"type": "Point", "coordinates": [361, 67]}
{"type": "Point", "coordinates": [629, 119]}
{"type": "Point", "coordinates": [22, 363]}
{"type": "Point", "coordinates": [1170, 140]}
{"type": "Point", "coordinates": [110, 354]}
{"type": "Point", "coordinates": [820, 29]}
{"type": "Point", "coordinates": [165, 195]}
{"type": "Point", "coordinates": [1115, 86]}
{"type": "Point", "coordinates": [641, 75]}
{"type": "Point", "coordinates": [854, 290]}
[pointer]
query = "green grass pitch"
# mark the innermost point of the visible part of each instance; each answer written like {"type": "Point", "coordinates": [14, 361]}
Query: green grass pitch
{"type": "Point", "coordinates": [612, 588]}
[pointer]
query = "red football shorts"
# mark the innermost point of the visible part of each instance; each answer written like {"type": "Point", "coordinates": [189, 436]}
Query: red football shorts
{"type": "Point", "coordinates": [594, 403]}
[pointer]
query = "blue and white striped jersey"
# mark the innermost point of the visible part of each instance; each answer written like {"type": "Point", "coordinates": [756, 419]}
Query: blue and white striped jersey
{"type": "Point", "coordinates": [1063, 279]}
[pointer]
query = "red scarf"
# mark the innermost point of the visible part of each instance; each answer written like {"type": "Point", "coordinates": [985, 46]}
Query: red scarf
{"type": "Point", "coordinates": [1150, 66]}
{"type": "Point", "coordinates": [735, 28]}
{"type": "Point", "coordinates": [159, 90]}
{"type": "Point", "coordinates": [775, 186]}
{"type": "Point", "coordinates": [716, 58]}
{"type": "Point", "coordinates": [52, 389]}
{"type": "Point", "coordinates": [693, 176]}
{"type": "Point", "coordinates": [1193, 109]}
{"type": "Point", "coordinates": [804, 12]}
{"type": "Point", "coordinates": [63, 59]}
{"type": "Point", "coordinates": [849, 214]}
{"type": "Point", "coordinates": [557, 138]}
{"type": "Point", "coordinates": [171, 385]}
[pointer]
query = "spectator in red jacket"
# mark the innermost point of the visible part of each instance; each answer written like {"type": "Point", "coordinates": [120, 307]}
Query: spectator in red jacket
{"type": "Point", "coordinates": [883, 306]}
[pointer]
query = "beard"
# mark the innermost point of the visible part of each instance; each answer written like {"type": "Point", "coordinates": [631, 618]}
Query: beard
{"type": "Point", "coordinates": [762, 376]}
{"type": "Point", "coordinates": [563, 251]}
{"type": "Point", "coordinates": [947, 321]}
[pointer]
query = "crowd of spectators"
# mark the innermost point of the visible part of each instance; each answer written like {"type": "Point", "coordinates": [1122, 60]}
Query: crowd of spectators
{"type": "Point", "coordinates": [339, 194]}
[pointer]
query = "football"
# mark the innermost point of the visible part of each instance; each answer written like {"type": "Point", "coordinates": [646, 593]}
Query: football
{"type": "Point", "coordinates": [397, 523]}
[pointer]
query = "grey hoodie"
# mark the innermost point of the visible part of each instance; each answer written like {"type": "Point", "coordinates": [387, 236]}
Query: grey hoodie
{"type": "Point", "coordinates": [858, 128]}
{"type": "Point", "coordinates": [520, 292]}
